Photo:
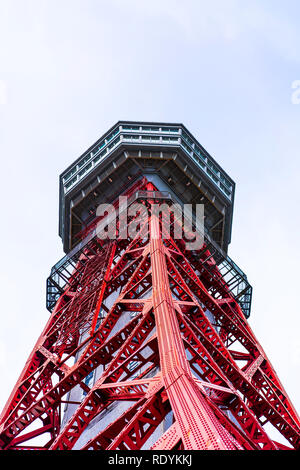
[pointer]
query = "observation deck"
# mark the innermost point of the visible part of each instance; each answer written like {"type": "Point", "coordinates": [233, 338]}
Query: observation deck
{"type": "Point", "coordinates": [165, 153]}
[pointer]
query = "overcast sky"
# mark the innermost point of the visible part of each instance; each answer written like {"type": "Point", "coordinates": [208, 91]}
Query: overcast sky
{"type": "Point", "coordinates": [69, 69]}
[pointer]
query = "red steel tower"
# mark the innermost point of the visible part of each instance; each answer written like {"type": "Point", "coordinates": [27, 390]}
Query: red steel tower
{"type": "Point", "coordinates": [147, 345]}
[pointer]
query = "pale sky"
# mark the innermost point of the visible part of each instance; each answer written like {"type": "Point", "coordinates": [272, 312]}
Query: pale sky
{"type": "Point", "coordinates": [69, 69]}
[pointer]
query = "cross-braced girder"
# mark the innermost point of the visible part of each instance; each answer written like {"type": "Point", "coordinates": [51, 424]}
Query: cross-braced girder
{"type": "Point", "coordinates": [169, 347]}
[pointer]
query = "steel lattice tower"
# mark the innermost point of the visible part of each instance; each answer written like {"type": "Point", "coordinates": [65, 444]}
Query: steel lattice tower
{"type": "Point", "coordinates": [147, 345]}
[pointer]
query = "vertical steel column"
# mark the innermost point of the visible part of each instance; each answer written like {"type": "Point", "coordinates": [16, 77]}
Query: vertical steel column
{"type": "Point", "coordinates": [199, 427]}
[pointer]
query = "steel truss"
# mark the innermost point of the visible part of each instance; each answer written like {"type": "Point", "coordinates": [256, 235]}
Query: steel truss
{"type": "Point", "coordinates": [186, 351]}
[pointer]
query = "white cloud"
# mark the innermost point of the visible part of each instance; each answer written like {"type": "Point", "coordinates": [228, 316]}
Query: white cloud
{"type": "Point", "coordinates": [233, 20]}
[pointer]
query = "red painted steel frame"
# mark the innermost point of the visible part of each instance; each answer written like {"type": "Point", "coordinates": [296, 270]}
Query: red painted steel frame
{"type": "Point", "coordinates": [195, 357]}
